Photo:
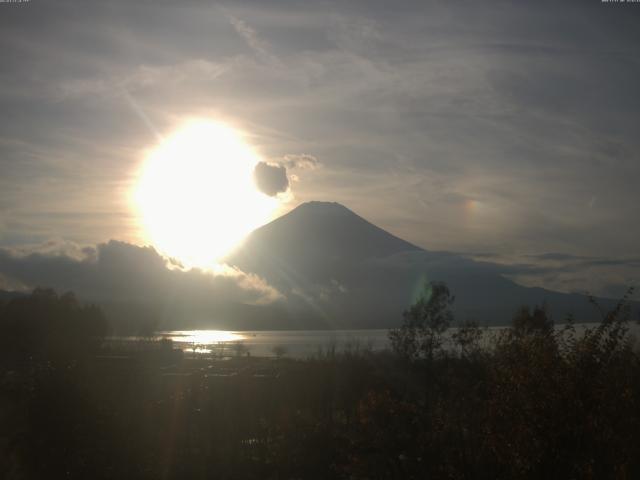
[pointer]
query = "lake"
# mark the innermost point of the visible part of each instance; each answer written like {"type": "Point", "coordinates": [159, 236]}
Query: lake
{"type": "Point", "coordinates": [292, 343]}
{"type": "Point", "coordinates": [300, 343]}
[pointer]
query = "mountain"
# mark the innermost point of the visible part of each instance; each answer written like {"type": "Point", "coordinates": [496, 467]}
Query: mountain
{"type": "Point", "coordinates": [315, 242]}
{"type": "Point", "coordinates": [338, 270]}
{"type": "Point", "coordinates": [6, 296]}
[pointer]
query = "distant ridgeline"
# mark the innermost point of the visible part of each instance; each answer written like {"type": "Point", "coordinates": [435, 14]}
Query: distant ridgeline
{"type": "Point", "coordinates": [334, 269]}
{"type": "Point", "coordinates": [337, 270]}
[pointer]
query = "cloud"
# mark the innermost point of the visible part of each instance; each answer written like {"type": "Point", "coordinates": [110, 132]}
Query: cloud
{"type": "Point", "coordinates": [119, 271]}
{"type": "Point", "coordinates": [258, 45]}
{"type": "Point", "coordinates": [554, 256]}
{"type": "Point", "coordinates": [302, 161]}
{"type": "Point", "coordinates": [271, 179]}
{"type": "Point", "coordinates": [248, 33]}
{"type": "Point", "coordinates": [331, 290]}
{"type": "Point", "coordinates": [564, 272]}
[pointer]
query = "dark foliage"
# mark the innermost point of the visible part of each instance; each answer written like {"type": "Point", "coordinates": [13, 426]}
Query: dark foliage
{"type": "Point", "coordinates": [534, 401]}
{"type": "Point", "coordinates": [45, 326]}
{"type": "Point", "coordinates": [424, 323]}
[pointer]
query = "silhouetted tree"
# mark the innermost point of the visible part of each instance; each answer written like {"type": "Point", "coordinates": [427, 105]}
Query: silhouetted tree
{"type": "Point", "coordinates": [279, 351]}
{"type": "Point", "coordinates": [240, 349]}
{"type": "Point", "coordinates": [468, 338]}
{"type": "Point", "coordinates": [45, 326]}
{"type": "Point", "coordinates": [527, 322]}
{"type": "Point", "coordinates": [420, 335]}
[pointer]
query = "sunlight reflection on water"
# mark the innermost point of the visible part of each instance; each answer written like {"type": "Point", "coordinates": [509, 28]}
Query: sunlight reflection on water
{"type": "Point", "coordinates": [201, 341]}
{"type": "Point", "coordinates": [305, 343]}
{"type": "Point", "coordinates": [262, 343]}
{"type": "Point", "coordinates": [202, 337]}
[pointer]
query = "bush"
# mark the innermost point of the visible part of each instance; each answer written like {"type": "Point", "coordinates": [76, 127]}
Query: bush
{"type": "Point", "coordinates": [45, 326]}
{"type": "Point", "coordinates": [420, 335]}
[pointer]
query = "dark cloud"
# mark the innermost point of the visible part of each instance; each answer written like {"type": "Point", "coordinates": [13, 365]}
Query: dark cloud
{"type": "Point", "coordinates": [121, 271]}
{"type": "Point", "coordinates": [271, 179]}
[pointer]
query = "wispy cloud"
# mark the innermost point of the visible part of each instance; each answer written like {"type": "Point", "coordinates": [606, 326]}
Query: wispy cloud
{"type": "Point", "coordinates": [258, 45]}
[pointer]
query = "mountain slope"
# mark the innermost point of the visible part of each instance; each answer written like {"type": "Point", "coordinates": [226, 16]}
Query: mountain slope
{"type": "Point", "coordinates": [319, 232]}
{"type": "Point", "coordinates": [337, 270]}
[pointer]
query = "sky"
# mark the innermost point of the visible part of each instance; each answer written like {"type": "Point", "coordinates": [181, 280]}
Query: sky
{"type": "Point", "coordinates": [506, 131]}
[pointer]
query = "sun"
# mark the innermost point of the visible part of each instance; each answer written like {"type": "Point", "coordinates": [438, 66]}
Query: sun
{"type": "Point", "coordinates": [196, 196]}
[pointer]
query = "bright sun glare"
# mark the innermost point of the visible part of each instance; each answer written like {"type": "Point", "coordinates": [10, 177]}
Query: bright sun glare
{"type": "Point", "coordinates": [196, 194]}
